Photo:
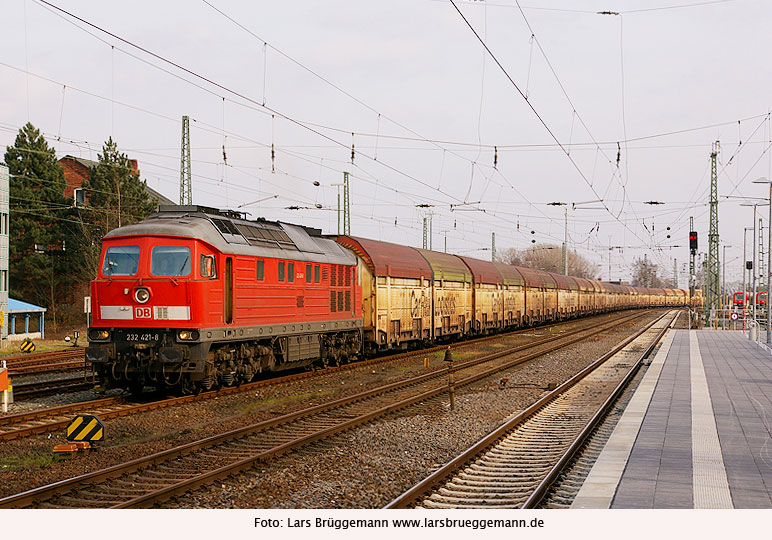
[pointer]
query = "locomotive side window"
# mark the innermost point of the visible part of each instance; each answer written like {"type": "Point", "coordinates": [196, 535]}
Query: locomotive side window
{"type": "Point", "coordinates": [308, 273]}
{"type": "Point", "coordinates": [290, 272]}
{"type": "Point", "coordinates": [316, 273]}
{"type": "Point", "coordinates": [121, 261]}
{"type": "Point", "coordinates": [281, 271]}
{"type": "Point", "coordinates": [207, 266]}
{"type": "Point", "coordinates": [260, 270]}
{"type": "Point", "coordinates": [170, 261]}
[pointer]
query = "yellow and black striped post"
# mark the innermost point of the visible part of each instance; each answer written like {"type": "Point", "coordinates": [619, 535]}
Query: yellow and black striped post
{"type": "Point", "coordinates": [27, 346]}
{"type": "Point", "coordinates": [86, 427]}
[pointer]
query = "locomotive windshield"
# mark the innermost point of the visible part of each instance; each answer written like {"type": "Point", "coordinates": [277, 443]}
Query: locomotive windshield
{"type": "Point", "coordinates": [170, 261]}
{"type": "Point", "coordinates": [121, 261]}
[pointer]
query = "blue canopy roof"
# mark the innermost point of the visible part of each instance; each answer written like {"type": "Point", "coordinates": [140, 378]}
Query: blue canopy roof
{"type": "Point", "coordinates": [17, 306]}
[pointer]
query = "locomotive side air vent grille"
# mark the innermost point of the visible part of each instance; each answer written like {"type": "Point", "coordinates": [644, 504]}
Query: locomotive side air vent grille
{"type": "Point", "coordinates": [341, 275]}
{"type": "Point", "coordinates": [348, 276]}
{"type": "Point", "coordinates": [333, 297]}
{"type": "Point", "coordinates": [325, 274]}
{"type": "Point", "coordinates": [225, 226]}
{"type": "Point", "coordinates": [265, 237]}
{"type": "Point", "coordinates": [348, 300]}
{"type": "Point", "coordinates": [334, 278]}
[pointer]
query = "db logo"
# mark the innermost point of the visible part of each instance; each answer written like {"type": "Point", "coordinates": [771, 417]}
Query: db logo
{"type": "Point", "coordinates": [143, 313]}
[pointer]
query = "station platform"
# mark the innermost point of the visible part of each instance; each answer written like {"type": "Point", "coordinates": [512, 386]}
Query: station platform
{"type": "Point", "coordinates": [697, 432]}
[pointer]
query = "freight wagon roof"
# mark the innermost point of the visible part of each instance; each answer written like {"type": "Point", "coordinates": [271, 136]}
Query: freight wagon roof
{"type": "Point", "coordinates": [536, 278]}
{"type": "Point", "coordinates": [613, 288]}
{"type": "Point", "coordinates": [445, 266]}
{"type": "Point", "coordinates": [510, 274]}
{"type": "Point", "coordinates": [387, 259]}
{"type": "Point", "coordinates": [584, 284]}
{"type": "Point", "coordinates": [483, 271]}
{"type": "Point", "coordinates": [239, 236]}
{"type": "Point", "coordinates": [566, 283]}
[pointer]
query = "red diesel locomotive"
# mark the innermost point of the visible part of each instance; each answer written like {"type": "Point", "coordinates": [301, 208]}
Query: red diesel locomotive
{"type": "Point", "coordinates": [194, 298]}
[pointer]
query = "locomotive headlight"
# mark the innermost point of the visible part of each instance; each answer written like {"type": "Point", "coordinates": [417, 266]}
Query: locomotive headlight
{"type": "Point", "coordinates": [187, 335]}
{"type": "Point", "coordinates": [98, 335]}
{"type": "Point", "coordinates": [141, 295]}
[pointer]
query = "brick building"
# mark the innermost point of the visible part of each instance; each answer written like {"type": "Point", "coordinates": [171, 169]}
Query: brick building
{"type": "Point", "coordinates": [76, 170]}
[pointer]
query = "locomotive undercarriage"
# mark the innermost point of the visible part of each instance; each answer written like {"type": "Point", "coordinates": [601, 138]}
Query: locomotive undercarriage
{"type": "Point", "coordinates": [171, 367]}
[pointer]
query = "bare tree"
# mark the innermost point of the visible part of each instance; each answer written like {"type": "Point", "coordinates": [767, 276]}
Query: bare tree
{"type": "Point", "coordinates": [550, 259]}
{"type": "Point", "coordinates": [649, 274]}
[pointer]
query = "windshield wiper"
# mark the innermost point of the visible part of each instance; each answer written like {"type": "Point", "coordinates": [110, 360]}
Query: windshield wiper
{"type": "Point", "coordinates": [179, 272]}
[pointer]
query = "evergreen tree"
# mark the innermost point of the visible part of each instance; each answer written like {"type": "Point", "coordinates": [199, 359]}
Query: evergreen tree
{"type": "Point", "coordinates": [116, 195]}
{"type": "Point", "coordinates": [37, 261]}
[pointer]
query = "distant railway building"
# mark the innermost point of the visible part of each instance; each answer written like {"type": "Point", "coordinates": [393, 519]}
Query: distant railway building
{"type": "Point", "coordinates": [25, 320]}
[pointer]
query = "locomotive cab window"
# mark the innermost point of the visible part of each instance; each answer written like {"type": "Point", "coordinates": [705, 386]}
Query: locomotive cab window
{"type": "Point", "coordinates": [121, 261]}
{"type": "Point", "coordinates": [170, 261]}
{"type": "Point", "coordinates": [208, 267]}
{"type": "Point", "coordinates": [316, 273]}
{"type": "Point", "coordinates": [281, 271]}
{"type": "Point", "coordinates": [290, 272]}
{"type": "Point", "coordinates": [308, 273]}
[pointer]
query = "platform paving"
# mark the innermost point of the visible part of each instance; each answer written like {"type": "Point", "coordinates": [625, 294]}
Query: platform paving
{"type": "Point", "coordinates": [697, 433]}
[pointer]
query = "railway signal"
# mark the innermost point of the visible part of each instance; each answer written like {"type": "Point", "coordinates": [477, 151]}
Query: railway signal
{"type": "Point", "coordinates": [87, 428]}
{"type": "Point", "coordinates": [693, 241]}
{"type": "Point", "coordinates": [27, 346]}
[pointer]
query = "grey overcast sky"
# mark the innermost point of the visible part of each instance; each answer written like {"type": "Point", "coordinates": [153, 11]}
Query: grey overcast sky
{"type": "Point", "coordinates": [656, 84]}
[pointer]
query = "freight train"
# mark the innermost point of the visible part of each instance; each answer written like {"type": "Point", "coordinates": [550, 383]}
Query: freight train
{"type": "Point", "coordinates": [194, 298]}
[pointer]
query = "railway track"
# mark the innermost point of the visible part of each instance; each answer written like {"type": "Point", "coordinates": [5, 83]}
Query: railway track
{"type": "Point", "coordinates": [31, 390]}
{"type": "Point", "coordinates": [47, 362]}
{"type": "Point", "coordinates": [153, 479]}
{"type": "Point", "coordinates": [514, 466]}
{"type": "Point", "coordinates": [49, 419]}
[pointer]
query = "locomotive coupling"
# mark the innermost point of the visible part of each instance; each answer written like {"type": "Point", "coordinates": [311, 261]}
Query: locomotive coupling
{"type": "Point", "coordinates": [171, 355]}
{"type": "Point", "coordinates": [97, 354]}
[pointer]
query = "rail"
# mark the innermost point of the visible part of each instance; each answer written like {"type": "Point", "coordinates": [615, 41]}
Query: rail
{"type": "Point", "coordinates": [427, 485]}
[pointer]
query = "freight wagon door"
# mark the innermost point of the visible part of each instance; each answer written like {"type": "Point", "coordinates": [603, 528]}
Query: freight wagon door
{"type": "Point", "coordinates": [228, 290]}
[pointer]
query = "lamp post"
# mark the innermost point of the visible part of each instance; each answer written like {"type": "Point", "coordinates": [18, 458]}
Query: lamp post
{"type": "Point", "coordinates": [745, 273]}
{"type": "Point", "coordinates": [723, 275]}
{"type": "Point", "coordinates": [753, 331]}
{"type": "Point", "coordinates": [763, 180]}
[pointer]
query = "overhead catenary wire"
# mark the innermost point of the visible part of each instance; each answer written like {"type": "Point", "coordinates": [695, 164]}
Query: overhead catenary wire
{"type": "Point", "coordinates": [533, 109]}
{"type": "Point", "coordinates": [362, 147]}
